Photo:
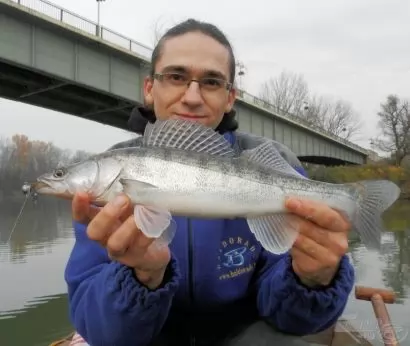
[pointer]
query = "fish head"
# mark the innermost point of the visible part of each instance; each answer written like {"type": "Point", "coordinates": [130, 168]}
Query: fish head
{"type": "Point", "coordinates": [93, 176]}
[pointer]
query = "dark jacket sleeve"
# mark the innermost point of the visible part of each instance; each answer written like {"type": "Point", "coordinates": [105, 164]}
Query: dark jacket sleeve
{"type": "Point", "coordinates": [108, 306]}
{"type": "Point", "coordinates": [294, 308]}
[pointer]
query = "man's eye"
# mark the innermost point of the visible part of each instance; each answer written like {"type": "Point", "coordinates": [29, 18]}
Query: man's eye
{"type": "Point", "coordinates": [176, 77]}
{"type": "Point", "coordinates": [212, 82]}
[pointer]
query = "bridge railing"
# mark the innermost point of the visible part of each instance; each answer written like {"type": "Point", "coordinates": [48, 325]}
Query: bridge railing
{"type": "Point", "coordinates": [296, 119]}
{"type": "Point", "coordinates": [78, 22]}
{"type": "Point", "coordinates": [70, 18]}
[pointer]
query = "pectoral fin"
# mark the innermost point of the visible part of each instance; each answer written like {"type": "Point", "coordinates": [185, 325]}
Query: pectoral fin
{"type": "Point", "coordinates": [133, 187]}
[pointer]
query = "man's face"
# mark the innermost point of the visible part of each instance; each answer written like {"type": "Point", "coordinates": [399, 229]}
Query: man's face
{"type": "Point", "coordinates": [191, 56]}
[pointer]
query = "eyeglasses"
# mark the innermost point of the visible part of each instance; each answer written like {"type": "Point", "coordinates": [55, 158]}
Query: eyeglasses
{"type": "Point", "coordinates": [180, 79]}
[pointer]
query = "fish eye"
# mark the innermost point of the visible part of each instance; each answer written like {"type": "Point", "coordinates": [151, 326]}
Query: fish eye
{"type": "Point", "coordinates": [59, 173]}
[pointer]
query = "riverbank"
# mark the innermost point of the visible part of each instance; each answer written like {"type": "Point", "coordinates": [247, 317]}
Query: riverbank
{"type": "Point", "coordinates": [347, 174]}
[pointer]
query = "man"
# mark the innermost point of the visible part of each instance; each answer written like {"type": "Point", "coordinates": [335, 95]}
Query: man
{"type": "Point", "coordinates": [214, 283]}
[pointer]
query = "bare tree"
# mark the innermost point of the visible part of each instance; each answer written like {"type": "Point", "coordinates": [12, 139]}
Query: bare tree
{"type": "Point", "coordinates": [315, 111]}
{"type": "Point", "coordinates": [157, 31]}
{"type": "Point", "coordinates": [394, 121]}
{"type": "Point", "coordinates": [288, 92]}
{"type": "Point", "coordinates": [337, 117]}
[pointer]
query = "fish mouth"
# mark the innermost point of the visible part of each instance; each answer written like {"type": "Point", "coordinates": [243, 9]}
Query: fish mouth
{"type": "Point", "coordinates": [40, 186]}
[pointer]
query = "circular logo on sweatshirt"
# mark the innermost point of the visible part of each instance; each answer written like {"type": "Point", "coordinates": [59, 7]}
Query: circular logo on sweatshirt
{"type": "Point", "coordinates": [237, 256]}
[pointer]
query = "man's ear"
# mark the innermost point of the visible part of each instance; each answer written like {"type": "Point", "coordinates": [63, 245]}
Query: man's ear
{"type": "Point", "coordinates": [231, 100]}
{"type": "Point", "coordinates": [148, 84]}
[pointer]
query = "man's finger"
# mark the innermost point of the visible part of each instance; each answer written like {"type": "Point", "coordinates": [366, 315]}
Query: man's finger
{"type": "Point", "coordinates": [313, 231]}
{"type": "Point", "coordinates": [82, 211]}
{"type": "Point", "coordinates": [305, 266]}
{"type": "Point", "coordinates": [121, 239]}
{"type": "Point", "coordinates": [309, 270]}
{"type": "Point", "coordinates": [101, 226]}
{"type": "Point", "coordinates": [315, 251]}
{"type": "Point", "coordinates": [92, 212]}
{"type": "Point", "coordinates": [126, 236]}
{"type": "Point", "coordinates": [335, 242]}
{"type": "Point", "coordinates": [80, 206]}
{"type": "Point", "coordinates": [128, 211]}
{"type": "Point", "coordinates": [300, 256]}
{"type": "Point", "coordinates": [319, 214]}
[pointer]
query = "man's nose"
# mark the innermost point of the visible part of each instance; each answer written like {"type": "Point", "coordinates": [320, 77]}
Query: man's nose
{"type": "Point", "coordinates": [192, 95]}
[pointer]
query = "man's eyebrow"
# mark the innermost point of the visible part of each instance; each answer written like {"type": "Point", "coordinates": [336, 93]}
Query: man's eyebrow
{"type": "Point", "coordinates": [214, 73]}
{"type": "Point", "coordinates": [183, 69]}
{"type": "Point", "coordinates": [174, 68]}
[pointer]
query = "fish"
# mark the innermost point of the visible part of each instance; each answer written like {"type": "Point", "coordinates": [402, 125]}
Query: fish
{"type": "Point", "coordinates": [191, 170]}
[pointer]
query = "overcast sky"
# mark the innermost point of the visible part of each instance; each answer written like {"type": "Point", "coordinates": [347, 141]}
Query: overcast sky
{"type": "Point", "coordinates": [357, 50]}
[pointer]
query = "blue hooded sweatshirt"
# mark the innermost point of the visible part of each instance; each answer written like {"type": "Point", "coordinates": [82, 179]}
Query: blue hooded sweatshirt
{"type": "Point", "coordinates": [218, 280]}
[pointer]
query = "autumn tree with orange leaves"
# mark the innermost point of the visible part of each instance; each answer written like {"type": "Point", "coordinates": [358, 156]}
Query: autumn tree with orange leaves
{"type": "Point", "coordinates": [24, 160]}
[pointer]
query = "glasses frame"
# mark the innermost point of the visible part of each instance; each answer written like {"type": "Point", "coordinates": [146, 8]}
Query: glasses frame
{"type": "Point", "coordinates": [200, 81]}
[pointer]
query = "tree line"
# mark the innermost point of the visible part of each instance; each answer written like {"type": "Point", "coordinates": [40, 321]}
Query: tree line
{"type": "Point", "coordinates": [290, 93]}
{"type": "Point", "coordinates": [22, 159]}
{"type": "Point", "coordinates": [376, 170]}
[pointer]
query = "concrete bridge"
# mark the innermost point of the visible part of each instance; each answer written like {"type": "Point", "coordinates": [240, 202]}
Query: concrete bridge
{"type": "Point", "coordinates": [56, 59]}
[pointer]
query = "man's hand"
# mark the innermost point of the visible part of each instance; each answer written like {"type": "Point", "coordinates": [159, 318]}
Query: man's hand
{"type": "Point", "coordinates": [322, 241]}
{"type": "Point", "coordinates": [114, 228]}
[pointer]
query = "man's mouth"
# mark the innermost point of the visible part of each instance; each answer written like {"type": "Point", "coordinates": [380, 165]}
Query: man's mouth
{"type": "Point", "coordinates": [190, 116]}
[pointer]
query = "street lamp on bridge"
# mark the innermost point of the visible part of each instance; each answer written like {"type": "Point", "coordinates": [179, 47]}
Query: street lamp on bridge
{"type": "Point", "coordinates": [98, 18]}
{"type": "Point", "coordinates": [241, 72]}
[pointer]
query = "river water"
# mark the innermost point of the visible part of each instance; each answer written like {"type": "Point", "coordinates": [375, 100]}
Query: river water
{"type": "Point", "coordinates": [33, 303]}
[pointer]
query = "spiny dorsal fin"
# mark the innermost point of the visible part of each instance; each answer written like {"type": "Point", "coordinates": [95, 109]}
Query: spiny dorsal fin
{"type": "Point", "coordinates": [267, 154]}
{"type": "Point", "coordinates": [186, 135]}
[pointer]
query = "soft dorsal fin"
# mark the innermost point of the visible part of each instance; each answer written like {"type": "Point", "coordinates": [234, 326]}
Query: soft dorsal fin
{"type": "Point", "coordinates": [186, 135]}
{"type": "Point", "coordinates": [267, 154]}
{"type": "Point", "coordinates": [276, 232]}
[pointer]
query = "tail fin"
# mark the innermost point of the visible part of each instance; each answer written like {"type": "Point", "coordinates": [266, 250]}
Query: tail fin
{"type": "Point", "coordinates": [376, 197]}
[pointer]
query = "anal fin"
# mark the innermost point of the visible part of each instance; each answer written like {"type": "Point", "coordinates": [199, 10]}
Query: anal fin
{"type": "Point", "coordinates": [186, 135]}
{"type": "Point", "coordinates": [276, 233]}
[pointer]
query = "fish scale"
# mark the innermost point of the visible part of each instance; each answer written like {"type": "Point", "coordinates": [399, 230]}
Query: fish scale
{"type": "Point", "coordinates": [177, 181]}
{"type": "Point", "coordinates": [249, 189]}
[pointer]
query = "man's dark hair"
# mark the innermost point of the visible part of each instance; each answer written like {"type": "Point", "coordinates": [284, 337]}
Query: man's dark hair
{"type": "Point", "coordinates": [192, 25]}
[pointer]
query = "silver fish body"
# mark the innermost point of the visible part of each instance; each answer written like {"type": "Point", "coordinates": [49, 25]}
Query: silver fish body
{"type": "Point", "coordinates": [200, 185]}
{"type": "Point", "coordinates": [191, 170]}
